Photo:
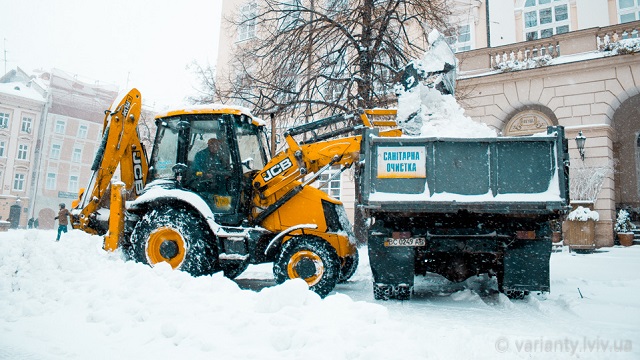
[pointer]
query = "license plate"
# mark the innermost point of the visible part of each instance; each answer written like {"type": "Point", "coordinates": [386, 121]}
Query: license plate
{"type": "Point", "coordinates": [405, 242]}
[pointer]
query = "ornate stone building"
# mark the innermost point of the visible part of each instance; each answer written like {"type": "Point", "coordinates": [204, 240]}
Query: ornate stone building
{"type": "Point", "coordinates": [527, 64]}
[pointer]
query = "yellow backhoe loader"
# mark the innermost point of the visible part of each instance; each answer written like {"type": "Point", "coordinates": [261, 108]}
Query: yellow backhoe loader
{"type": "Point", "coordinates": [209, 199]}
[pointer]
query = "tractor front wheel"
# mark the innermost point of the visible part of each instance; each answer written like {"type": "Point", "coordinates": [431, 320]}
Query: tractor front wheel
{"type": "Point", "coordinates": [310, 258]}
{"type": "Point", "coordinates": [177, 237]}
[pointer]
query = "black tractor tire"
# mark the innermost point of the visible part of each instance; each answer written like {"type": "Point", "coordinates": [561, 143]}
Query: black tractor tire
{"type": "Point", "coordinates": [348, 268]}
{"type": "Point", "coordinates": [176, 236]}
{"type": "Point", "coordinates": [310, 258]}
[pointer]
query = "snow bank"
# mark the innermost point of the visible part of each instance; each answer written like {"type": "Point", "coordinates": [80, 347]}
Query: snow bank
{"type": "Point", "coordinates": [72, 300]}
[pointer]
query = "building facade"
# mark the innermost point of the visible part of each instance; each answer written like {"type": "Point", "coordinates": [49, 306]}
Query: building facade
{"type": "Point", "coordinates": [527, 64]}
{"type": "Point", "coordinates": [61, 143]}
{"type": "Point", "coordinates": [22, 108]}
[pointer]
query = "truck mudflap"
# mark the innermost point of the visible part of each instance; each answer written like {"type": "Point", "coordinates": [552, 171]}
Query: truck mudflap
{"type": "Point", "coordinates": [526, 267]}
{"type": "Point", "coordinates": [392, 268]}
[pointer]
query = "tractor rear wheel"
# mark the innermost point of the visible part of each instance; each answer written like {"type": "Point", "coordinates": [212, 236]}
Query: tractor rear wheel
{"type": "Point", "coordinates": [177, 237]}
{"type": "Point", "coordinates": [310, 258]}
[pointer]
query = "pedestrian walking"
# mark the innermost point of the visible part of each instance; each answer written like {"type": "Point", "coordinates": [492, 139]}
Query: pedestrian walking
{"type": "Point", "coordinates": [63, 220]}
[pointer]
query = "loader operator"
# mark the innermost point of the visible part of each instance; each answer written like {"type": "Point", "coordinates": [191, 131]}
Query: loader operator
{"type": "Point", "coordinates": [211, 163]}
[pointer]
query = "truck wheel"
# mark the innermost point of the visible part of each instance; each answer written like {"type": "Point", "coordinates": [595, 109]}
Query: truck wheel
{"type": "Point", "coordinates": [403, 292]}
{"type": "Point", "coordinates": [177, 237]}
{"type": "Point", "coordinates": [382, 292]}
{"type": "Point", "coordinates": [511, 294]}
{"type": "Point", "coordinates": [516, 294]}
{"type": "Point", "coordinates": [310, 258]}
{"type": "Point", "coordinates": [349, 266]}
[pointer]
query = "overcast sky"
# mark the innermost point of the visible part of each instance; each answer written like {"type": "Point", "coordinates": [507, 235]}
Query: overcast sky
{"type": "Point", "coordinates": [145, 43]}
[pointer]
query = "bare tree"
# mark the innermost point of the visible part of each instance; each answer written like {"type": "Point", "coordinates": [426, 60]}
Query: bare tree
{"type": "Point", "coordinates": [325, 56]}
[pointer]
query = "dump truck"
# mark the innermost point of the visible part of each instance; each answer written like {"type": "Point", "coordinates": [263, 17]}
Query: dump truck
{"type": "Point", "coordinates": [462, 207]}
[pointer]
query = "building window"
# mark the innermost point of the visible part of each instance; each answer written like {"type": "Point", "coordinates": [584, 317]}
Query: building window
{"type": "Point", "coordinates": [628, 10]}
{"type": "Point", "coordinates": [60, 126]}
{"type": "Point", "coordinates": [51, 181]}
{"type": "Point", "coordinates": [82, 131]}
{"type": "Point", "coordinates": [26, 124]}
{"type": "Point", "coordinates": [332, 188]}
{"type": "Point", "coordinates": [23, 151]}
{"type": "Point", "coordinates": [459, 38]}
{"type": "Point", "coordinates": [18, 182]}
{"type": "Point", "coordinates": [4, 120]}
{"type": "Point", "coordinates": [77, 155]}
{"type": "Point", "coordinates": [247, 28]}
{"type": "Point", "coordinates": [73, 183]}
{"type": "Point", "coordinates": [2, 147]}
{"type": "Point", "coordinates": [545, 18]}
{"type": "Point", "coordinates": [290, 14]}
{"type": "Point", "coordinates": [55, 151]}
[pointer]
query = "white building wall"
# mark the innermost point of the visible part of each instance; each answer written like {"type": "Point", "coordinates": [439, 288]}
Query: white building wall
{"type": "Point", "coordinates": [502, 22]}
{"type": "Point", "coordinates": [592, 13]}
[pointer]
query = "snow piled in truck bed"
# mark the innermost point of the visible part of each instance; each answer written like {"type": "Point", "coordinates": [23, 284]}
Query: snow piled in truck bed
{"type": "Point", "coordinates": [72, 300]}
{"type": "Point", "coordinates": [424, 111]}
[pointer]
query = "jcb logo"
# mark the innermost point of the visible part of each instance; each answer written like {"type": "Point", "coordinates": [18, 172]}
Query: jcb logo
{"type": "Point", "coordinates": [137, 172]}
{"type": "Point", "coordinates": [126, 107]}
{"type": "Point", "coordinates": [276, 169]}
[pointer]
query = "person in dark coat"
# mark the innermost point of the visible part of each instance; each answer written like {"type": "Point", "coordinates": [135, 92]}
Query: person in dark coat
{"type": "Point", "coordinates": [63, 220]}
{"type": "Point", "coordinates": [211, 160]}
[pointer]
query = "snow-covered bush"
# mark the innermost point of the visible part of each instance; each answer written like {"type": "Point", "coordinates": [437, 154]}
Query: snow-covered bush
{"type": "Point", "coordinates": [623, 222]}
{"type": "Point", "coordinates": [585, 182]}
{"type": "Point", "coordinates": [583, 214]}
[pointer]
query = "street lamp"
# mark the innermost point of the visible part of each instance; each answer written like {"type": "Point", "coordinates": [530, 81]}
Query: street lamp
{"type": "Point", "coordinates": [580, 140]}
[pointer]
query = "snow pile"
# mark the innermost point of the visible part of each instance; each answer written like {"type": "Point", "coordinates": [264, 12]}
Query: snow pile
{"type": "Point", "coordinates": [425, 111]}
{"type": "Point", "coordinates": [583, 214]}
{"type": "Point", "coordinates": [72, 300]}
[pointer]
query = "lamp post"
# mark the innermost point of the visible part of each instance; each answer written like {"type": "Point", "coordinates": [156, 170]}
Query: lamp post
{"type": "Point", "coordinates": [580, 140]}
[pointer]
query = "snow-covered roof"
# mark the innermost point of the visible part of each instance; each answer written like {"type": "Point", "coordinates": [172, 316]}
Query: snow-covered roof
{"type": "Point", "coordinates": [21, 90]}
{"type": "Point", "coordinates": [212, 109]}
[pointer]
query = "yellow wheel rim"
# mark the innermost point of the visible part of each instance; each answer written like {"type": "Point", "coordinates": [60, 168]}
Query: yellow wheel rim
{"type": "Point", "coordinates": [165, 245]}
{"type": "Point", "coordinates": [303, 256]}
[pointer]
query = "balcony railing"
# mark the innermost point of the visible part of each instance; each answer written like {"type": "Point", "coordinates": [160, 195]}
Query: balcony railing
{"type": "Point", "coordinates": [575, 42]}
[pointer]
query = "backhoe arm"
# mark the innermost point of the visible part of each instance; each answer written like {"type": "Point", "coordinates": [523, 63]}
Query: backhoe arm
{"type": "Point", "coordinates": [285, 170]}
{"type": "Point", "coordinates": [120, 146]}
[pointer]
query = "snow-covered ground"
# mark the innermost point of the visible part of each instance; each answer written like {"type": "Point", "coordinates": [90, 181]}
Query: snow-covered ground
{"type": "Point", "coordinates": [72, 300]}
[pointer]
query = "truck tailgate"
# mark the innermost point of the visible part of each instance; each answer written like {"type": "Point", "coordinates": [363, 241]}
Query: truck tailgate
{"type": "Point", "coordinates": [499, 175]}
